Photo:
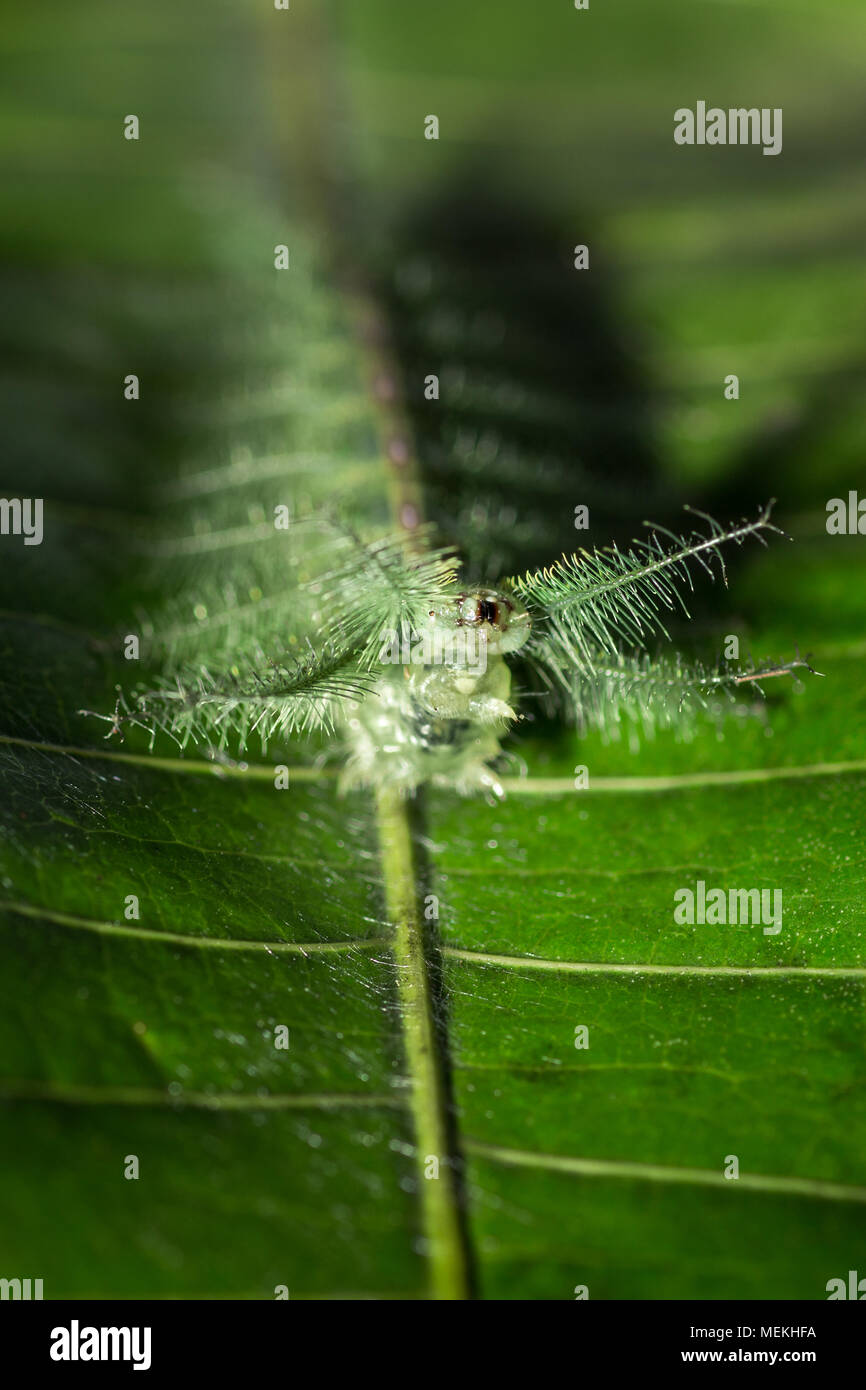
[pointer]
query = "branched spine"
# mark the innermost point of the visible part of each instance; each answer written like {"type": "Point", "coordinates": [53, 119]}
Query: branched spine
{"type": "Point", "coordinates": [602, 600]}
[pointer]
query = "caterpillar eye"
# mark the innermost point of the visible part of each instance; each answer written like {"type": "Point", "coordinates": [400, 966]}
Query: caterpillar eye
{"type": "Point", "coordinates": [484, 608]}
{"type": "Point", "coordinates": [500, 620]}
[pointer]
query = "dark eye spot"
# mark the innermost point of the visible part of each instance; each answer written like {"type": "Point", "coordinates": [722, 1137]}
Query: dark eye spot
{"type": "Point", "coordinates": [488, 611]}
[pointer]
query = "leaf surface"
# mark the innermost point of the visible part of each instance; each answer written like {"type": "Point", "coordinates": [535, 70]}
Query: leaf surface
{"type": "Point", "coordinates": [258, 909]}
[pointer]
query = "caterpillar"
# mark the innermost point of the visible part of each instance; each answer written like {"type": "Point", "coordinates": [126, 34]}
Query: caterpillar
{"type": "Point", "coordinates": [440, 718]}
{"type": "Point", "coordinates": [408, 674]}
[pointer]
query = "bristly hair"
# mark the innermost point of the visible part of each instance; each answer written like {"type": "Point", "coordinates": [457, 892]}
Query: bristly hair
{"type": "Point", "coordinates": [336, 586]}
{"type": "Point", "coordinates": [639, 694]}
{"type": "Point", "coordinates": [600, 601]}
{"type": "Point", "coordinates": [294, 660]}
{"type": "Point", "coordinates": [289, 662]}
{"type": "Point", "coordinates": [293, 696]}
{"type": "Point", "coordinates": [376, 590]}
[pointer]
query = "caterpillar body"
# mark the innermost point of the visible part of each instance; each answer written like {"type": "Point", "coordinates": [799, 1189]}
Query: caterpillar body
{"type": "Point", "coordinates": [441, 721]}
{"type": "Point", "coordinates": [434, 702]}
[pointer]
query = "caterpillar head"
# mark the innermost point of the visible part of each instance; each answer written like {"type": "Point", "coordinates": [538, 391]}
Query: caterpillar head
{"type": "Point", "coordinates": [499, 621]}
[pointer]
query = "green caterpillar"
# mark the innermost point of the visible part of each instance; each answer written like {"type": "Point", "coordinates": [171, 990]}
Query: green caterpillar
{"type": "Point", "coordinates": [408, 673]}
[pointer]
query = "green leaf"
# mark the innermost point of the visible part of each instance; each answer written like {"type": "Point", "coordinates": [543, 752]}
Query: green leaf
{"type": "Point", "coordinates": [163, 917]}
